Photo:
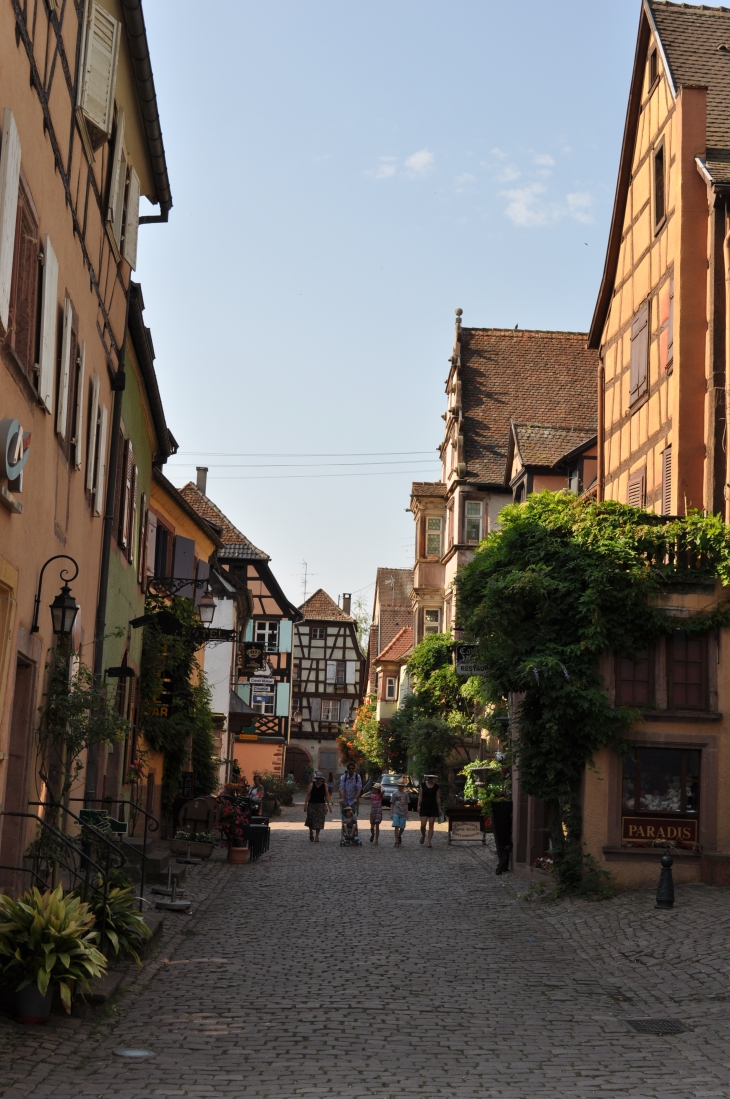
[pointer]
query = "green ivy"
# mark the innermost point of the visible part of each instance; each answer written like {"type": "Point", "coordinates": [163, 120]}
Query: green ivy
{"type": "Point", "coordinates": [562, 581]}
{"type": "Point", "coordinates": [187, 732]}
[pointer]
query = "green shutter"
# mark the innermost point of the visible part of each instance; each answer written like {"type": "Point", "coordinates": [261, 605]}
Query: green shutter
{"type": "Point", "coordinates": [243, 690]}
{"type": "Point", "coordinates": [282, 698]}
{"type": "Point", "coordinates": [249, 630]}
{"type": "Point", "coordinates": [285, 632]}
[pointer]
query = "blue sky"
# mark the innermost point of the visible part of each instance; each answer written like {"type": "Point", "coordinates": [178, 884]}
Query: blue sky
{"type": "Point", "coordinates": [345, 175]}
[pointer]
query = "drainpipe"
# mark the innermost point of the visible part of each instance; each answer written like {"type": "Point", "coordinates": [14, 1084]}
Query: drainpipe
{"type": "Point", "coordinates": [601, 479]}
{"type": "Point", "coordinates": [726, 255]}
{"type": "Point", "coordinates": [118, 385]}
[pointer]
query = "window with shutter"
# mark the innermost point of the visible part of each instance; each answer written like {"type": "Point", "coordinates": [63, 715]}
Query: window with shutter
{"type": "Point", "coordinates": [65, 371]}
{"type": "Point", "coordinates": [667, 481]}
{"type": "Point", "coordinates": [639, 354]}
{"type": "Point", "coordinates": [637, 489]}
{"type": "Point", "coordinates": [117, 179]}
{"type": "Point", "coordinates": [142, 543]}
{"type": "Point", "coordinates": [119, 486]}
{"type": "Point", "coordinates": [315, 709]}
{"type": "Point", "coordinates": [78, 439]}
{"type": "Point", "coordinates": [101, 465]}
{"type": "Point", "coordinates": [24, 288]}
{"type": "Point", "coordinates": [331, 671]}
{"type": "Point", "coordinates": [49, 323]}
{"type": "Point", "coordinates": [125, 508]}
{"type": "Point", "coordinates": [151, 547]}
{"type": "Point", "coordinates": [74, 371]}
{"type": "Point", "coordinates": [131, 225]}
{"type": "Point", "coordinates": [96, 87]}
{"type": "Point", "coordinates": [132, 535]}
{"type": "Point", "coordinates": [91, 450]}
{"type": "Point", "coordinates": [9, 182]}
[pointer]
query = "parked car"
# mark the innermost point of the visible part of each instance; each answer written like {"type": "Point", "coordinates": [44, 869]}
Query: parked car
{"type": "Point", "coordinates": [390, 783]}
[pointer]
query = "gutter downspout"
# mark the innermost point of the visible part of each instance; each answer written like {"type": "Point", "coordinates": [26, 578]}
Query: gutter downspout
{"type": "Point", "coordinates": [601, 479]}
{"type": "Point", "coordinates": [118, 386]}
{"type": "Point", "coordinates": [726, 256]}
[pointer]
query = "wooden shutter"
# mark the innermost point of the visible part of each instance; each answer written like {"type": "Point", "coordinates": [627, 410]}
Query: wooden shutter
{"type": "Point", "coordinates": [124, 492]}
{"type": "Point", "coordinates": [131, 538]}
{"type": "Point", "coordinates": [24, 290]}
{"type": "Point", "coordinates": [79, 429]}
{"type": "Point", "coordinates": [142, 540]}
{"type": "Point", "coordinates": [670, 327]}
{"type": "Point", "coordinates": [96, 89]}
{"type": "Point", "coordinates": [667, 481]}
{"type": "Point", "coordinates": [131, 228]}
{"type": "Point", "coordinates": [315, 708]}
{"type": "Point", "coordinates": [119, 486]}
{"type": "Point", "coordinates": [281, 705]}
{"type": "Point", "coordinates": [183, 566]}
{"type": "Point", "coordinates": [118, 179]}
{"type": "Point", "coordinates": [151, 543]}
{"type": "Point", "coordinates": [637, 489]}
{"type": "Point", "coordinates": [639, 353]}
{"type": "Point", "coordinates": [49, 321]}
{"type": "Point", "coordinates": [9, 181]}
{"type": "Point", "coordinates": [64, 374]}
{"type": "Point", "coordinates": [351, 671]}
{"type": "Point", "coordinates": [93, 420]}
{"type": "Point", "coordinates": [102, 462]}
{"type": "Point", "coordinates": [331, 671]}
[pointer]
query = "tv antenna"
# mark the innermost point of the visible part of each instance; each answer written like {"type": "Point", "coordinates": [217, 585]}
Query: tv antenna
{"type": "Point", "coordinates": [304, 578]}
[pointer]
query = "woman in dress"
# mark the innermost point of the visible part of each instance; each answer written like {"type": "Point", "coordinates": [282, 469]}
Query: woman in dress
{"type": "Point", "coordinates": [429, 805]}
{"type": "Point", "coordinates": [317, 804]}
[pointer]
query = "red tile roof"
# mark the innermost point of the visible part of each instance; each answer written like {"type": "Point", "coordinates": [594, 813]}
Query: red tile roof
{"type": "Point", "coordinates": [235, 543]}
{"type": "Point", "coordinates": [531, 377]}
{"type": "Point", "coordinates": [401, 644]}
{"type": "Point", "coordinates": [545, 445]}
{"type": "Point", "coordinates": [321, 608]}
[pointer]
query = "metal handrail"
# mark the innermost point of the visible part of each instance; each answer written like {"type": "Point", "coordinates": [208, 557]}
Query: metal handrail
{"type": "Point", "coordinates": [149, 827]}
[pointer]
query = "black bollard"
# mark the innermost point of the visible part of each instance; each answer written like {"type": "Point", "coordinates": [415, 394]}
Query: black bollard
{"type": "Point", "coordinates": [665, 889]}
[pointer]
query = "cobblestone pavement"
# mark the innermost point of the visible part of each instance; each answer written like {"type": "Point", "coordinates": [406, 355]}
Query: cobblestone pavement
{"type": "Point", "coordinates": [409, 972]}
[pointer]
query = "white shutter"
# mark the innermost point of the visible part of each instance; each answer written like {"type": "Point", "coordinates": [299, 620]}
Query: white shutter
{"type": "Point", "coordinates": [331, 671]}
{"type": "Point", "coordinates": [118, 178]}
{"type": "Point", "coordinates": [79, 429]}
{"type": "Point", "coordinates": [96, 93]}
{"type": "Point", "coordinates": [132, 227]}
{"type": "Point", "coordinates": [9, 179]}
{"type": "Point", "coordinates": [351, 671]}
{"type": "Point", "coordinates": [101, 472]}
{"type": "Point", "coordinates": [93, 417]}
{"type": "Point", "coordinates": [315, 708]}
{"type": "Point", "coordinates": [65, 372]}
{"type": "Point", "coordinates": [49, 320]}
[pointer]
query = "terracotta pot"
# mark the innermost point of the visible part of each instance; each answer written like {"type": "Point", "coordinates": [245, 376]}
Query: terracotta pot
{"type": "Point", "coordinates": [238, 854]}
{"type": "Point", "coordinates": [31, 1006]}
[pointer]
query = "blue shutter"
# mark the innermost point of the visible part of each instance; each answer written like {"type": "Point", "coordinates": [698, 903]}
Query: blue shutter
{"type": "Point", "coordinates": [249, 630]}
{"type": "Point", "coordinates": [243, 690]}
{"type": "Point", "coordinates": [285, 631]}
{"type": "Point", "coordinates": [282, 699]}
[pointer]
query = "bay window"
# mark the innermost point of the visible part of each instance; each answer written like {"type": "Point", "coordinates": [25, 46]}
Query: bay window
{"type": "Point", "coordinates": [473, 521]}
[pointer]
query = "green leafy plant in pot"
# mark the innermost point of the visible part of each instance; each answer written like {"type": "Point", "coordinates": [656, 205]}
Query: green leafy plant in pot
{"type": "Point", "coordinates": [47, 941]}
{"type": "Point", "coordinates": [125, 930]}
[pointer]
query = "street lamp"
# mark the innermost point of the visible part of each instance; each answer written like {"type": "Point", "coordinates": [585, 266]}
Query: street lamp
{"type": "Point", "coordinates": [206, 609]}
{"type": "Point", "coordinates": [64, 607]}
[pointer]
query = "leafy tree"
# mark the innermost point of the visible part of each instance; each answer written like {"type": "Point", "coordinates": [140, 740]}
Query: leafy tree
{"type": "Point", "coordinates": [562, 581]}
{"type": "Point", "coordinates": [363, 618]}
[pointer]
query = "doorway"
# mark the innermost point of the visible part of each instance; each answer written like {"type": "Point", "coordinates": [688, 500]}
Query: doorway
{"type": "Point", "coordinates": [296, 763]}
{"type": "Point", "coordinates": [21, 749]}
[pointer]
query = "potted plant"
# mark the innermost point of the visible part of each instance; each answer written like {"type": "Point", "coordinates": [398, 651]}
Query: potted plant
{"type": "Point", "coordinates": [47, 941]}
{"type": "Point", "coordinates": [233, 824]}
{"type": "Point", "coordinates": [125, 929]}
{"type": "Point", "coordinates": [197, 845]}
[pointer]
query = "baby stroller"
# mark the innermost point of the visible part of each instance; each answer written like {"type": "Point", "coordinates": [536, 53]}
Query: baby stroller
{"type": "Point", "coordinates": [349, 838]}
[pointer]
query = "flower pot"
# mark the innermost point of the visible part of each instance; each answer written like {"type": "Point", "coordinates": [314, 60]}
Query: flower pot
{"type": "Point", "coordinates": [31, 1006]}
{"type": "Point", "coordinates": [238, 854]}
{"type": "Point", "coordinates": [197, 850]}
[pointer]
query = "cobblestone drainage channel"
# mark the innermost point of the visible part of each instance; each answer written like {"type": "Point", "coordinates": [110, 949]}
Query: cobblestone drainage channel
{"type": "Point", "coordinates": [134, 1054]}
{"type": "Point", "coordinates": [656, 1026]}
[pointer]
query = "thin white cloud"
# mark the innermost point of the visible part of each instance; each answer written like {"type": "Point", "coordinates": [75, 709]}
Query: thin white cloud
{"type": "Point", "coordinates": [464, 181]}
{"type": "Point", "coordinates": [419, 163]}
{"type": "Point", "coordinates": [579, 203]}
{"type": "Point", "coordinates": [544, 160]}
{"type": "Point", "coordinates": [527, 206]}
{"type": "Point", "coordinates": [508, 174]}
{"type": "Point", "coordinates": [385, 169]}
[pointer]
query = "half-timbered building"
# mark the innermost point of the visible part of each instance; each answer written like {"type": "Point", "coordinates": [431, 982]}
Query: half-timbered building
{"type": "Point", "coordinates": [329, 677]}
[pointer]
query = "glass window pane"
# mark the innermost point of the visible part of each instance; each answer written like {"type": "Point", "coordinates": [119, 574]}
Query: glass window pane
{"type": "Point", "coordinates": [692, 780]}
{"type": "Point", "coordinates": [432, 616]}
{"type": "Point", "coordinates": [433, 544]}
{"type": "Point", "coordinates": [629, 783]}
{"type": "Point", "coordinates": [661, 780]}
{"type": "Point", "coordinates": [633, 681]}
{"type": "Point", "coordinates": [433, 524]}
{"type": "Point", "coordinates": [473, 530]}
{"type": "Point", "coordinates": [473, 508]}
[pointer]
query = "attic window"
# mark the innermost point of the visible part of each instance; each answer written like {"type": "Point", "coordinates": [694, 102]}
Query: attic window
{"type": "Point", "coordinates": [659, 188]}
{"type": "Point", "coordinates": [653, 68]}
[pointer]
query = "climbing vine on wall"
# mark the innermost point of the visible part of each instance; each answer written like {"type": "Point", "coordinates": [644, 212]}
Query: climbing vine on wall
{"type": "Point", "coordinates": [562, 581]}
{"type": "Point", "coordinates": [175, 711]}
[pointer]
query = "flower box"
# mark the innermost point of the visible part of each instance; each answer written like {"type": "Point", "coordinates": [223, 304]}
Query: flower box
{"type": "Point", "coordinates": [197, 850]}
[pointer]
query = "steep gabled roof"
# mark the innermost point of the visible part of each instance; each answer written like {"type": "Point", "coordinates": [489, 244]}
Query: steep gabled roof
{"type": "Point", "coordinates": [401, 644]}
{"type": "Point", "coordinates": [547, 445]}
{"type": "Point", "coordinates": [528, 376]}
{"type": "Point", "coordinates": [184, 504]}
{"type": "Point", "coordinates": [235, 545]}
{"type": "Point", "coordinates": [321, 608]}
{"type": "Point", "coordinates": [694, 42]}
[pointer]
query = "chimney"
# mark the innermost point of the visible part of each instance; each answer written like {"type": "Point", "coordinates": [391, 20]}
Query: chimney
{"type": "Point", "coordinates": [346, 601]}
{"type": "Point", "coordinates": [202, 478]}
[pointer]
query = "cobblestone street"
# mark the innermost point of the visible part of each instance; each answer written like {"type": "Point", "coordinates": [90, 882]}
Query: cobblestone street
{"type": "Point", "coordinates": [408, 972]}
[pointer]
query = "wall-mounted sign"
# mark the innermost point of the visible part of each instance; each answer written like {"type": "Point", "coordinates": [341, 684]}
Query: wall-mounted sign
{"type": "Point", "coordinates": [252, 655]}
{"type": "Point", "coordinates": [14, 451]}
{"type": "Point", "coordinates": [261, 679]}
{"type": "Point", "coordinates": [658, 830]}
{"type": "Point", "coordinates": [467, 660]}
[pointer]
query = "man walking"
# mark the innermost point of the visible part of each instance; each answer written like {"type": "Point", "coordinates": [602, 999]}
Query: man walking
{"type": "Point", "coordinates": [350, 789]}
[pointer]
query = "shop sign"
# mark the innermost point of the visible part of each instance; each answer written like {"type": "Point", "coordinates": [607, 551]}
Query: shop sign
{"type": "Point", "coordinates": [467, 660]}
{"type": "Point", "coordinates": [466, 830]}
{"type": "Point", "coordinates": [261, 680]}
{"type": "Point", "coordinates": [658, 830]}
{"type": "Point", "coordinates": [14, 451]}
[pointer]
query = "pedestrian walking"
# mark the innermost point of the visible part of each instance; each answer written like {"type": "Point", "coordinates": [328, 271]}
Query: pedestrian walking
{"type": "Point", "coordinates": [350, 789]}
{"type": "Point", "coordinates": [429, 805]}
{"type": "Point", "coordinates": [399, 811]}
{"type": "Point", "coordinates": [376, 811]}
{"type": "Point", "coordinates": [317, 803]}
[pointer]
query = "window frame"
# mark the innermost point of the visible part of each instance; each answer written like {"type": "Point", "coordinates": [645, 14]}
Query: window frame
{"type": "Point", "coordinates": [477, 518]}
{"type": "Point", "coordinates": [391, 689]}
{"type": "Point", "coordinates": [26, 279]}
{"type": "Point", "coordinates": [427, 624]}
{"type": "Point", "coordinates": [267, 627]}
{"type": "Point", "coordinates": [659, 186]}
{"type": "Point", "coordinates": [434, 532]}
{"type": "Point", "coordinates": [619, 678]}
{"type": "Point", "coordinates": [704, 684]}
{"type": "Point", "coordinates": [683, 813]}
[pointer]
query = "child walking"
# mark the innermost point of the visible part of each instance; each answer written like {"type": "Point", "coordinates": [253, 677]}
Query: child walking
{"type": "Point", "coordinates": [376, 811]}
{"type": "Point", "coordinates": [399, 811]}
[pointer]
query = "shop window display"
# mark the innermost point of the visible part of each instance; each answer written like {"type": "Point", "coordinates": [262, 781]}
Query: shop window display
{"type": "Point", "coordinates": [662, 781]}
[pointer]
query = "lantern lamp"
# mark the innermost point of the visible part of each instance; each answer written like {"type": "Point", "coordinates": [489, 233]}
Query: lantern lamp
{"type": "Point", "coordinates": [64, 609]}
{"type": "Point", "coordinates": [206, 609]}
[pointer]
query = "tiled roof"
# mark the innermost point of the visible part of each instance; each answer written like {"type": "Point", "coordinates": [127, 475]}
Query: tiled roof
{"type": "Point", "coordinates": [691, 36]}
{"type": "Point", "coordinates": [394, 587]}
{"type": "Point", "coordinates": [545, 445]}
{"type": "Point", "coordinates": [428, 488]}
{"type": "Point", "coordinates": [515, 374]}
{"type": "Point", "coordinates": [321, 608]}
{"type": "Point", "coordinates": [235, 544]}
{"type": "Point", "coordinates": [401, 644]}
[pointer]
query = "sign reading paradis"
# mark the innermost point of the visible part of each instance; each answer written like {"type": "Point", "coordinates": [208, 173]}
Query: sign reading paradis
{"type": "Point", "coordinates": [658, 830]}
